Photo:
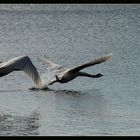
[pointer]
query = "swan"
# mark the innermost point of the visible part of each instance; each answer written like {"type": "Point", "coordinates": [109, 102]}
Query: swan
{"type": "Point", "coordinates": [63, 75]}
{"type": "Point", "coordinates": [20, 63]}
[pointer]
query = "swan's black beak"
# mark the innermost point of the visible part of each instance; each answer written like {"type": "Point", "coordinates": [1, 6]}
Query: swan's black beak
{"type": "Point", "coordinates": [98, 75]}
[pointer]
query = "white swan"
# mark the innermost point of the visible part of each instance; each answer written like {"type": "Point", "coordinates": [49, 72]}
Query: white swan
{"type": "Point", "coordinates": [64, 75]}
{"type": "Point", "coordinates": [21, 63]}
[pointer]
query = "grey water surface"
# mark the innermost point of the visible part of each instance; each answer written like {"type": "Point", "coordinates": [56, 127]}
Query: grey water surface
{"type": "Point", "coordinates": [72, 34]}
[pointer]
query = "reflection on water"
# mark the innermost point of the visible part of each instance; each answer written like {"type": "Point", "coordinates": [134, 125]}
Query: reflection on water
{"type": "Point", "coordinates": [58, 91]}
{"type": "Point", "coordinates": [67, 112]}
{"type": "Point", "coordinates": [13, 125]}
{"type": "Point", "coordinates": [65, 92]}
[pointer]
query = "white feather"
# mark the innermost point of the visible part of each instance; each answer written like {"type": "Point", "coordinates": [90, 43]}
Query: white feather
{"type": "Point", "coordinates": [21, 63]}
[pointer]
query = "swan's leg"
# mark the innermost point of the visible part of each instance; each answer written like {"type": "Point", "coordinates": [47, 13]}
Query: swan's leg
{"type": "Point", "coordinates": [51, 83]}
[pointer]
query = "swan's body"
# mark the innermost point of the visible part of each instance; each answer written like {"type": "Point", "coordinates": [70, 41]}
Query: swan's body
{"type": "Point", "coordinates": [21, 63]}
{"type": "Point", "coordinates": [64, 75]}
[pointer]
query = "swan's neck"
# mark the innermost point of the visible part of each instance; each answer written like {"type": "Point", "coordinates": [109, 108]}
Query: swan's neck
{"type": "Point", "coordinates": [90, 75]}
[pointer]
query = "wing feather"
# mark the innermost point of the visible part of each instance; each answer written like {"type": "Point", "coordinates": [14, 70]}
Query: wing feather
{"type": "Point", "coordinates": [51, 65]}
{"type": "Point", "coordinates": [97, 60]}
{"type": "Point", "coordinates": [22, 63]}
{"type": "Point", "coordinates": [31, 70]}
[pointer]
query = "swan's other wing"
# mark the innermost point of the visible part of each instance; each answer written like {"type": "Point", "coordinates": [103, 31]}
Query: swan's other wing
{"type": "Point", "coordinates": [51, 66]}
{"type": "Point", "coordinates": [23, 63]}
{"type": "Point", "coordinates": [97, 60]}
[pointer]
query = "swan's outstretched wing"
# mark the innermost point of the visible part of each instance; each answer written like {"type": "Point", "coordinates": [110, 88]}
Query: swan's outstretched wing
{"type": "Point", "coordinates": [22, 63]}
{"type": "Point", "coordinates": [50, 64]}
{"type": "Point", "coordinates": [53, 66]}
{"type": "Point", "coordinates": [97, 60]}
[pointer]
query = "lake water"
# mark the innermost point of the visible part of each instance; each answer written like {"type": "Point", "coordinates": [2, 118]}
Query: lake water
{"type": "Point", "coordinates": [71, 35]}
